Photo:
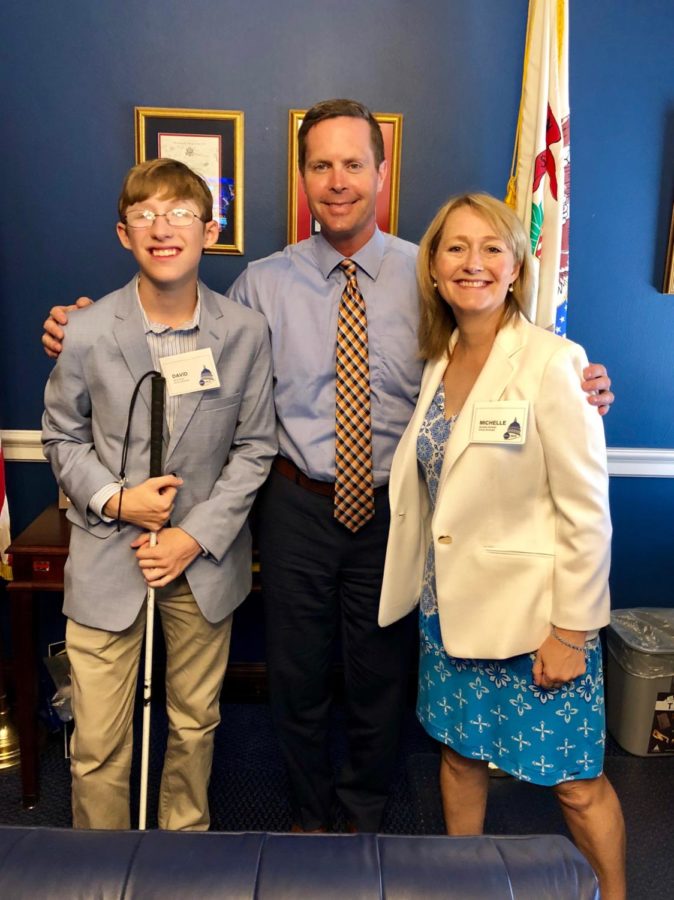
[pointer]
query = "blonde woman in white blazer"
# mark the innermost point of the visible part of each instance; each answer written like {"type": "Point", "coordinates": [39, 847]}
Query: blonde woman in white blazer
{"type": "Point", "coordinates": [500, 530]}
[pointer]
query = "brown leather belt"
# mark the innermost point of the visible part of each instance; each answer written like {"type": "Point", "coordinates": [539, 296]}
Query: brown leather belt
{"type": "Point", "coordinates": [289, 470]}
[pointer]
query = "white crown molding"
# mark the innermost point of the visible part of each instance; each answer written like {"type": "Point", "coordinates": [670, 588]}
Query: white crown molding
{"type": "Point", "coordinates": [637, 462]}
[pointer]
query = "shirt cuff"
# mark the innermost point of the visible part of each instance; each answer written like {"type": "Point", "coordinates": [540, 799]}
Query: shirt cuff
{"type": "Point", "coordinates": [101, 497]}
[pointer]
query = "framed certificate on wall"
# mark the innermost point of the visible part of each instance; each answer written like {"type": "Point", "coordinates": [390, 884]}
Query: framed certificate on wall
{"type": "Point", "coordinates": [209, 141]}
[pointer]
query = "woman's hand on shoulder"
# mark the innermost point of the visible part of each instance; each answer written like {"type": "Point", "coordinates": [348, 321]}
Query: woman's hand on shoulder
{"type": "Point", "coordinates": [556, 662]}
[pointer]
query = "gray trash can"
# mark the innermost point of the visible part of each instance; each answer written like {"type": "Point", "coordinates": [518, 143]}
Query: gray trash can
{"type": "Point", "coordinates": [640, 680]}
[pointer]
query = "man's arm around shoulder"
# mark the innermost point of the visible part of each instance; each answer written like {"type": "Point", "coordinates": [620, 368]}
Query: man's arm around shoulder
{"type": "Point", "coordinates": [52, 337]}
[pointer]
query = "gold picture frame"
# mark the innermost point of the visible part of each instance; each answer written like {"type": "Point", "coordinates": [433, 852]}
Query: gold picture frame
{"type": "Point", "coordinates": [210, 141]}
{"type": "Point", "coordinates": [668, 286]}
{"type": "Point", "coordinates": [300, 221]}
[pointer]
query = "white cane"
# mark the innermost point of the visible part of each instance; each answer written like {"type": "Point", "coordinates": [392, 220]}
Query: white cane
{"type": "Point", "coordinates": [156, 443]}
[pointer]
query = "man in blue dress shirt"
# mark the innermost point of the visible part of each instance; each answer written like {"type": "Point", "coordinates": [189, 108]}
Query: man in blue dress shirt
{"type": "Point", "coordinates": [321, 581]}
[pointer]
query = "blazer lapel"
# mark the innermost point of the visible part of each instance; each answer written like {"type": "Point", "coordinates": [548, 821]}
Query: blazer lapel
{"type": "Point", "coordinates": [407, 484]}
{"type": "Point", "coordinates": [212, 333]}
{"type": "Point", "coordinates": [131, 339]}
{"type": "Point", "coordinates": [490, 385]}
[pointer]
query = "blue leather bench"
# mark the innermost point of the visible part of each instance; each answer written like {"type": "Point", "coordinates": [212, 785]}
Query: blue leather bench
{"type": "Point", "coordinates": [46, 863]}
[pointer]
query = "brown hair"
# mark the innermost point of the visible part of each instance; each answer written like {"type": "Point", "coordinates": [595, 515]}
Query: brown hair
{"type": "Point", "coordinates": [168, 178]}
{"type": "Point", "coordinates": [437, 319]}
{"type": "Point", "coordinates": [333, 109]}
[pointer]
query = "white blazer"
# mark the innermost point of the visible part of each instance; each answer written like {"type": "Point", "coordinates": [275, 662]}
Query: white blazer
{"type": "Point", "coordinates": [521, 533]}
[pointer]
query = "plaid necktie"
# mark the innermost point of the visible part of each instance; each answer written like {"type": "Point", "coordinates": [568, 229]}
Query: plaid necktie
{"type": "Point", "coordinates": [354, 491]}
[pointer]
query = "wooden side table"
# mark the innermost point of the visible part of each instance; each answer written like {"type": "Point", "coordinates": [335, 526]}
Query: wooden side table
{"type": "Point", "coordinates": [38, 557]}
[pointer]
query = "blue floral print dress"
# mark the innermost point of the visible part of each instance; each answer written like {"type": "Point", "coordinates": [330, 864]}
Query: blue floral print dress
{"type": "Point", "coordinates": [491, 709]}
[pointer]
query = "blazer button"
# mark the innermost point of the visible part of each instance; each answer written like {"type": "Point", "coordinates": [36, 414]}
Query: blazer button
{"type": "Point", "coordinates": [445, 539]}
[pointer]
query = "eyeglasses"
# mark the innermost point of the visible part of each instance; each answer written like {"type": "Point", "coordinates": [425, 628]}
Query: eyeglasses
{"type": "Point", "coordinates": [177, 218]}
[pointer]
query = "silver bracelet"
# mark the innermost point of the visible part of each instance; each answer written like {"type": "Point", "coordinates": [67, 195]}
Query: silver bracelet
{"type": "Point", "coordinates": [567, 643]}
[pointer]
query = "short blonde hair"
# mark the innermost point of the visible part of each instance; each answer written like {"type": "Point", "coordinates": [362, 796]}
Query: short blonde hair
{"type": "Point", "coordinates": [437, 319]}
{"type": "Point", "coordinates": [169, 178]}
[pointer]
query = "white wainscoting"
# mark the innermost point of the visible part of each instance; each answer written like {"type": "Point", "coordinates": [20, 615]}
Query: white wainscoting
{"type": "Point", "coordinates": [630, 462]}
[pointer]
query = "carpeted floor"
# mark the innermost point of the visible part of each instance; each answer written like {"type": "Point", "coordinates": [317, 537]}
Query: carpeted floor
{"type": "Point", "coordinates": [645, 788]}
{"type": "Point", "coordinates": [249, 792]}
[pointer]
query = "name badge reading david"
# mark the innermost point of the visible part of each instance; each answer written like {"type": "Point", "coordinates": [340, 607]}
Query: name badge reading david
{"type": "Point", "coordinates": [500, 422]}
{"type": "Point", "coordinates": [186, 373]}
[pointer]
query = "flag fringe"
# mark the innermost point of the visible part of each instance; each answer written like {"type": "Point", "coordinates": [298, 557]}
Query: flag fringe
{"type": "Point", "coordinates": [511, 190]}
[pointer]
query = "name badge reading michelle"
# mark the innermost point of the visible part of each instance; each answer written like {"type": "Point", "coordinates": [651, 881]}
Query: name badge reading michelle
{"type": "Point", "coordinates": [500, 422]}
{"type": "Point", "coordinates": [186, 373]}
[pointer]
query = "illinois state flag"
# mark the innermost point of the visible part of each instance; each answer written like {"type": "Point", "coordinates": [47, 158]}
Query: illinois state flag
{"type": "Point", "coordinates": [5, 569]}
{"type": "Point", "coordinates": [539, 185]}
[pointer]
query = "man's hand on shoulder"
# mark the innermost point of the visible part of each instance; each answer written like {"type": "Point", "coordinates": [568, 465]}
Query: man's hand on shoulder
{"type": "Point", "coordinates": [53, 326]}
{"type": "Point", "coordinates": [597, 385]}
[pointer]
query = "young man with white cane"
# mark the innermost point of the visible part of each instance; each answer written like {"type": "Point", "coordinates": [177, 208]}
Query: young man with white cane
{"type": "Point", "coordinates": [218, 437]}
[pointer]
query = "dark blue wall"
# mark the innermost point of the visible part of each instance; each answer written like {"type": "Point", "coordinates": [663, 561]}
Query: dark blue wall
{"type": "Point", "coordinates": [71, 74]}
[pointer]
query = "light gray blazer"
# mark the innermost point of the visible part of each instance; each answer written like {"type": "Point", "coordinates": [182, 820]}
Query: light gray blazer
{"type": "Point", "coordinates": [222, 445]}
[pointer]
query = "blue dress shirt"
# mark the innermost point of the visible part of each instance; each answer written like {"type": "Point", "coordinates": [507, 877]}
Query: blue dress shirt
{"type": "Point", "coordinates": [298, 291]}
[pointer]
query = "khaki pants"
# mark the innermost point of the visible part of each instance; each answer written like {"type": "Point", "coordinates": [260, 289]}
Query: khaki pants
{"type": "Point", "coordinates": [104, 668]}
